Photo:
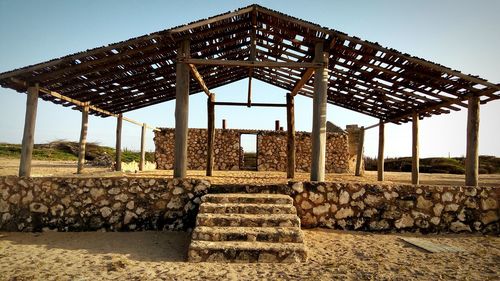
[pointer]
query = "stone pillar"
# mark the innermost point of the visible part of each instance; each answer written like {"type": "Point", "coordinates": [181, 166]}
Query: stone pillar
{"type": "Point", "coordinates": [83, 138]}
{"type": "Point", "coordinates": [415, 157]}
{"type": "Point", "coordinates": [380, 164]}
{"type": "Point", "coordinates": [142, 161]}
{"type": "Point", "coordinates": [118, 148]}
{"type": "Point", "coordinates": [181, 111]}
{"type": "Point", "coordinates": [359, 153]}
{"type": "Point", "coordinates": [472, 153]}
{"type": "Point", "coordinates": [290, 122]}
{"type": "Point", "coordinates": [29, 131]}
{"type": "Point", "coordinates": [318, 135]}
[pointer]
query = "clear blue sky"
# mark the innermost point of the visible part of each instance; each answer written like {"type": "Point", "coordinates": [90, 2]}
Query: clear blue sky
{"type": "Point", "coordinates": [464, 35]}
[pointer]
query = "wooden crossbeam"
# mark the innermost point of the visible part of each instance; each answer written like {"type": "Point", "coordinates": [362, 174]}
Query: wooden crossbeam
{"type": "Point", "coordinates": [307, 75]}
{"type": "Point", "coordinates": [199, 78]}
{"type": "Point", "coordinates": [258, 64]}
{"type": "Point", "coordinates": [252, 104]}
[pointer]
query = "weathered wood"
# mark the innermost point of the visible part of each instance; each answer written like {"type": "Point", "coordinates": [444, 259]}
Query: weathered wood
{"type": "Point", "coordinates": [290, 122]}
{"type": "Point", "coordinates": [211, 20]}
{"type": "Point", "coordinates": [224, 124]}
{"type": "Point", "coordinates": [303, 80]}
{"type": "Point", "coordinates": [142, 161]}
{"type": "Point", "coordinates": [83, 139]}
{"type": "Point", "coordinates": [256, 64]}
{"type": "Point", "coordinates": [359, 155]}
{"type": "Point", "coordinates": [29, 131]}
{"type": "Point", "coordinates": [118, 146]}
{"type": "Point", "coordinates": [277, 125]}
{"type": "Point", "coordinates": [430, 246]}
{"type": "Point", "coordinates": [415, 157]}
{"type": "Point", "coordinates": [181, 112]}
{"type": "Point", "coordinates": [253, 52]}
{"type": "Point", "coordinates": [252, 104]}
{"type": "Point", "coordinates": [380, 159]}
{"type": "Point", "coordinates": [210, 134]}
{"type": "Point", "coordinates": [472, 153]}
{"type": "Point", "coordinates": [318, 135]}
{"type": "Point", "coordinates": [197, 76]}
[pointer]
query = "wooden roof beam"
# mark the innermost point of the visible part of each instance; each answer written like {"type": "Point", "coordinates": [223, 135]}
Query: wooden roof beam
{"type": "Point", "coordinates": [197, 76]}
{"type": "Point", "coordinates": [256, 64]}
{"type": "Point", "coordinates": [303, 80]}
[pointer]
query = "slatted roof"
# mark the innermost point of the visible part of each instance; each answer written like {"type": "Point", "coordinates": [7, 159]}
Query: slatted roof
{"type": "Point", "coordinates": [363, 76]}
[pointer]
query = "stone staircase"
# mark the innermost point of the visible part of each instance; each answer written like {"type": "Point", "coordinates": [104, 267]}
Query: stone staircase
{"type": "Point", "coordinates": [245, 227]}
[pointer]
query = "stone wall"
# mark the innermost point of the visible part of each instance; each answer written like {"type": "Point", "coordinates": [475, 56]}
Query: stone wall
{"type": "Point", "coordinates": [226, 147]}
{"type": "Point", "coordinates": [271, 150]}
{"type": "Point", "coordinates": [369, 207]}
{"type": "Point", "coordinates": [82, 204]}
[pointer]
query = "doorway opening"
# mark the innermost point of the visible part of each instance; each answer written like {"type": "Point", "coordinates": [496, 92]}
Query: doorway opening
{"type": "Point", "coordinates": [248, 143]}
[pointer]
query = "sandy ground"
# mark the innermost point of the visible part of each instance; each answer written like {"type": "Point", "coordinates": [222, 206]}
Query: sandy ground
{"type": "Point", "coordinates": [68, 168]}
{"type": "Point", "coordinates": [161, 256]}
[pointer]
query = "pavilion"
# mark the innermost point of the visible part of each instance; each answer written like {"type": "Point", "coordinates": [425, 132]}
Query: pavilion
{"type": "Point", "coordinates": [255, 43]}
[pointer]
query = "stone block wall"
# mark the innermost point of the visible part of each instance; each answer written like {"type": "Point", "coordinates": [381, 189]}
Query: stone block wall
{"type": "Point", "coordinates": [272, 152]}
{"type": "Point", "coordinates": [82, 204]}
{"type": "Point", "coordinates": [369, 207]}
{"type": "Point", "coordinates": [226, 147]}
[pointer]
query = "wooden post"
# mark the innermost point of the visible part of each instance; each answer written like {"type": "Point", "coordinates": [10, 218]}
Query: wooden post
{"type": "Point", "coordinates": [224, 124]}
{"type": "Point", "coordinates": [277, 125]}
{"type": "Point", "coordinates": [142, 161]}
{"type": "Point", "coordinates": [118, 147]}
{"type": "Point", "coordinates": [415, 163]}
{"type": "Point", "coordinates": [290, 122]}
{"type": "Point", "coordinates": [83, 138]}
{"type": "Point", "coordinates": [318, 135]}
{"type": "Point", "coordinates": [359, 156]}
{"type": "Point", "coordinates": [29, 131]}
{"type": "Point", "coordinates": [181, 111]}
{"type": "Point", "coordinates": [472, 154]}
{"type": "Point", "coordinates": [380, 163]}
{"type": "Point", "coordinates": [210, 134]}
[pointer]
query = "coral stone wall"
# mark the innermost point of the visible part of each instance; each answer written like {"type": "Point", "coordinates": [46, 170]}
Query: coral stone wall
{"type": "Point", "coordinates": [272, 152]}
{"type": "Point", "coordinates": [226, 147]}
{"type": "Point", "coordinates": [397, 207]}
{"type": "Point", "coordinates": [80, 204]}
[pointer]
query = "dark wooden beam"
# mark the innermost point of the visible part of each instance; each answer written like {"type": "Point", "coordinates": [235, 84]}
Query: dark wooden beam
{"type": "Point", "coordinates": [306, 77]}
{"type": "Point", "coordinates": [472, 152]}
{"type": "Point", "coordinates": [210, 134]}
{"type": "Point", "coordinates": [142, 161]}
{"type": "Point", "coordinates": [252, 104]}
{"type": "Point", "coordinates": [415, 157]}
{"type": "Point", "coordinates": [118, 147]}
{"type": "Point", "coordinates": [380, 162]}
{"type": "Point", "coordinates": [290, 118]}
{"type": "Point", "coordinates": [258, 64]}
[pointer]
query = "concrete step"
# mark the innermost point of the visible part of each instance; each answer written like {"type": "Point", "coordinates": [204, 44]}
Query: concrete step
{"type": "Point", "coordinates": [252, 198]}
{"type": "Point", "coordinates": [247, 220]}
{"type": "Point", "coordinates": [247, 208]}
{"type": "Point", "coordinates": [260, 234]}
{"type": "Point", "coordinates": [248, 252]}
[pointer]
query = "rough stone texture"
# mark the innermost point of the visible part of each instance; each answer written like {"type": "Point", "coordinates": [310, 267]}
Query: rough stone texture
{"type": "Point", "coordinates": [369, 207]}
{"type": "Point", "coordinates": [353, 135]}
{"type": "Point", "coordinates": [116, 204]}
{"type": "Point", "coordinates": [271, 150]}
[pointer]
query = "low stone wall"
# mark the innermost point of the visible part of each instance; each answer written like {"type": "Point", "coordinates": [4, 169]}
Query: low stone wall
{"type": "Point", "coordinates": [122, 204]}
{"type": "Point", "coordinates": [80, 204]}
{"type": "Point", "coordinates": [371, 207]}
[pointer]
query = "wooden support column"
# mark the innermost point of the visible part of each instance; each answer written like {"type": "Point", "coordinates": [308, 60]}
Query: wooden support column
{"type": "Point", "coordinates": [359, 156]}
{"type": "Point", "coordinates": [472, 153]}
{"type": "Point", "coordinates": [253, 52]}
{"type": "Point", "coordinates": [277, 125]}
{"type": "Point", "coordinates": [223, 124]}
{"type": "Point", "coordinates": [118, 147]}
{"type": "Point", "coordinates": [181, 111]}
{"type": "Point", "coordinates": [210, 134]}
{"type": "Point", "coordinates": [318, 135]}
{"type": "Point", "coordinates": [415, 157]}
{"type": "Point", "coordinates": [83, 138]}
{"type": "Point", "coordinates": [142, 161]}
{"type": "Point", "coordinates": [290, 122]}
{"type": "Point", "coordinates": [29, 131]}
{"type": "Point", "coordinates": [380, 163]}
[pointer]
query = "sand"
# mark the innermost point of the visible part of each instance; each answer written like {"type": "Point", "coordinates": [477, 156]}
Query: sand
{"type": "Point", "coordinates": [161, 256]}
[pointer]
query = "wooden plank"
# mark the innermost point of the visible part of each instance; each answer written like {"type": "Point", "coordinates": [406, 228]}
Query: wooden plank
{"type": "Point", "coordinates": [252, 104]}
{"type": "Point", "coordinates": [142, 161]}
{"type": "Point", "coordinates": [199, 78]}
{"type": "Point", "coordinates": [380, 160]}
{"type": "Point", "coordinates": [29, 131]}
{"type": "Point", "coordinates": [290, 122]}
{"type": "Point", "coordinates": [118, 145]}
{"type": "Point", "coordinates": [83, 139]}
{"type": "Point", "coordinates": [430, 246]}
{"type": "Point", "coordinates": [303, 80]}
{"type": "Point", "coordinates": [415, 157]}
{"type": "Point", "coordinates": [472, 152]}
{"type": "Point", "coordinates": [181, 112]}
{"type": "Point", "coordinates": [210, 134]}
{"type": "Point", "coordinates": [318, 134]}
{"type": "Point", "coordinates": [246, 63]}
{"type": "Point", "coordinates": [359, 156]}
